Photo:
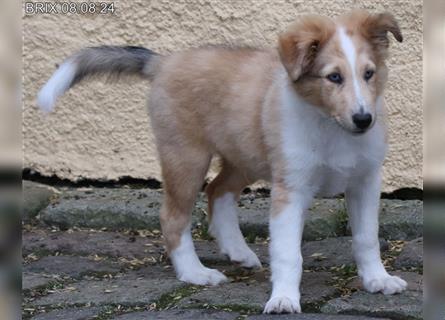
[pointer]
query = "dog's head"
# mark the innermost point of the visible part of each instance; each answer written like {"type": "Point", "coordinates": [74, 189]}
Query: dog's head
{"type": "Point", "coordinates": [339, 65]}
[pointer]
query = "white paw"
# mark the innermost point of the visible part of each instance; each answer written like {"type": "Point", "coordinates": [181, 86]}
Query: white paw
{"type": "Point", "coordinates": [203, 276]}
{"type": "Point", "coordinates": [244, 256]}
{"type": "Point", "coordinates": [386, 284]}
{"type": "Point", "coordinates": [283, 305]}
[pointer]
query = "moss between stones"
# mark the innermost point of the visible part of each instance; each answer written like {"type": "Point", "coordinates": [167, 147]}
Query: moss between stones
{"type": "Point", "coordinates": [168, 300]}
{"type": "Point", "coordinates": [343, 276]}
{"type": "Point", "coordinates": [201, 232]}
{"type": "Point", "coordinates": [394, 250]}
{"type": "Point", "coordinates": [32, 294]}
{"type": "Point", "coordinates": [250, 237]}
{"type": "Point", "coordinates": [29, 311]}
{"type": "Point", "coordinates": [418, 270]}
{"type": "Point", "coordinates": [27, 314]}
{"type": "Point", "coordinates": [114, 310]}
{"type": "Point", "coordinates": [315, 306]}
{"type": "Point", "coordinates": [240, 308]}
{"type": "Point", "coordinates": [343, 219]}
{"type": "Point", "coordinates": [37, 254]}
{"type": "Point", "coordinates": [43, 290]}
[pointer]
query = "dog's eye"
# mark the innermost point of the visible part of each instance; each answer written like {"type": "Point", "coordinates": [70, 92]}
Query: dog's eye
{"type": "Point", "coordinates": [335, 77]}
{"type": "Point", "coordinates": [368, 74]}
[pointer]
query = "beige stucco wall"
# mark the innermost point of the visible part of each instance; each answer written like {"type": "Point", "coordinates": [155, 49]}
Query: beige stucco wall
{"type": "Point", "coordinates": [101, 130]}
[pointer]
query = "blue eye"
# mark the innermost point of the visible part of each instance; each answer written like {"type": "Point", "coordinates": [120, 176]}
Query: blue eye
{"type": "Point", "coordinates": [335, 77]}
{"type": "Point", "coordinates": [368, 74]}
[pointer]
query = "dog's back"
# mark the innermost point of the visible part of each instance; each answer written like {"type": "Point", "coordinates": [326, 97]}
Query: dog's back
{"type": "Point", "coordinates": [213, 93]}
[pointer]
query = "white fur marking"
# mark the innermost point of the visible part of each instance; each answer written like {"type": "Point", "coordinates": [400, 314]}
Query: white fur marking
{"type": "Point", "coordinates": [189, 268]}
{"type": "Point", "coordinates": [58, 83]}
{"type": "Point", "coordinates": [225, 228]}
{"type": "Point", "coordinates": [362, 198]}
{"type": "Point", "coordinates": [351, 55]}
{"type": "Point", "coordinates": [286, 261]}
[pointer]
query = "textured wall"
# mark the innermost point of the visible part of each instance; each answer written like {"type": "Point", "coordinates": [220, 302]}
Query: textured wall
{"type": "Point", "coordinates": [101, 130]}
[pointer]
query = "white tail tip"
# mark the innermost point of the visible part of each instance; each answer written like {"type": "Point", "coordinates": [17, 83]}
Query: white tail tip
{"type": "Point", "coordinates": [56, 86]}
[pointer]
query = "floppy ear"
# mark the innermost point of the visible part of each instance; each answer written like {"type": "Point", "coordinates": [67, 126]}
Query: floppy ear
{"type": "Point", "coordinates": [299, 44]}
{"type": "Point", "coordinates": [376, 27]}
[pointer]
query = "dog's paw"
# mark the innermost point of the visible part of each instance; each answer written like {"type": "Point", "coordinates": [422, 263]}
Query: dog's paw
{"type": "Point", "coordinates": [204, 277]}
{"type": "Point", "coordinates": [283, 305]}
{"type": "Point", "coordinates": [245, 257]}
{"type": "Point", "coordinates": [386, 284]}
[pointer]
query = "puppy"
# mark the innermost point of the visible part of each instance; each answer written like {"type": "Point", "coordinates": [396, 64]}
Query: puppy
{"type": "Point", "coordinates": [308, 117]}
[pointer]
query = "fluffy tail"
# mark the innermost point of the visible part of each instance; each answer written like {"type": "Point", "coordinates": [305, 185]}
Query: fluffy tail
{"type": "Point", "coordinates": [104, 60]}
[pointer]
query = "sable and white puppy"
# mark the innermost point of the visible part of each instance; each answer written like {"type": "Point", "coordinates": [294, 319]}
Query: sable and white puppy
{"type": "Point", "coordinates": [308, 117]}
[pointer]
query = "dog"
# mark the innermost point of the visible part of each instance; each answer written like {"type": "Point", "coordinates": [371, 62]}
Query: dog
{"type": "Point", "coordinates": [308, 117]}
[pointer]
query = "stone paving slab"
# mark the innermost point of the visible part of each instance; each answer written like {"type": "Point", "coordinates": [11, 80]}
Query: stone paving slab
{"type": "Point", "coordinates": [70, 314]}
{"type": "Point", "coordinates": [404, 306]}
{"type": "Point", "coordinates": [252, 294]}
{"type": "Point", "coordinates": [92, 243]}
{"type": "Point", "coordinates": [179, 315]}
{"type": "Point", "coordinates": [331, 252]}
{"type": "Point", "coordinates": [105, 208]}
{"type": "Point", "coordinates": [35, 198]}
{"type": "Point", "coordinates": [401, 220]}
{"type": "Point", "coordinates": [32, 281]}
{"type": "Point", "coordinates": [124, 208]}
{"type": "Point", "coordinates": [308, 316]}
{"type": "Point", "coordinates": [72, 266]}
{"type": "Point", "coordinates": [131, 289]}
{"type": "Point", "coordinates": [325, 218]}
{"type": "Point", "coordinates": [411, 255]}
{"type": "Point", "coordinates": [156, 282]}
{"type": "Point", "coordinates": [113, 244]}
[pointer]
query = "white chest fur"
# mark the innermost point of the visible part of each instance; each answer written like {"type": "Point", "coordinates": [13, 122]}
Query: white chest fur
{"type": "Point", "coordinates": [320, 155]}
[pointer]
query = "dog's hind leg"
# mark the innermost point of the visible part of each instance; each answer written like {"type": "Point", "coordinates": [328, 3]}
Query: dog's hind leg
{"type": "Point", "coordinates": [184, 170]}
{"type": "Point", "coordinates": [223, 193]}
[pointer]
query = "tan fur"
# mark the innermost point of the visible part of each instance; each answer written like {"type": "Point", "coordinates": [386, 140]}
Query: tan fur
{"type": "Point", "coordinates": [192, 95]}
{"type": "Point", "coordinates": [211, 101]}
{"type": "Point", "coordinates": [300, 43]}
{"type": "Point", "coordinates": [280, 198]}
{"type": "Point", "coordinates": [182, 180]}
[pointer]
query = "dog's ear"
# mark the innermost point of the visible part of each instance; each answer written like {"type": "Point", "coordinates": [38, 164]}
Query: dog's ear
{"type": "Point", "coordinates": [299, 44]}
{"type": "Point", "coordinates": [375, 28]}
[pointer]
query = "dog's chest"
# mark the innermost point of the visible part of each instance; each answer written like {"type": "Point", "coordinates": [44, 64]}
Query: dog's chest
{"type": "Point", "coordinates": [333, 166]}
{"type": "Point", "coordinates": [326, 162]}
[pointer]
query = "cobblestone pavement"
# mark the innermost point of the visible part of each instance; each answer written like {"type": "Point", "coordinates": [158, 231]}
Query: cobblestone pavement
{"type": "Point", "coordinates": [79, 264]}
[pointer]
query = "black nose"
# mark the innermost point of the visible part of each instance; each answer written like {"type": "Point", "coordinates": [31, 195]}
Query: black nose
{"type": "Point", "coordinates": [362, 120]}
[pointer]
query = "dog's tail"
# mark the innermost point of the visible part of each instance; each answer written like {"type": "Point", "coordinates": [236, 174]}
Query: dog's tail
{"type": "Point", "coordinates": [103, 60]}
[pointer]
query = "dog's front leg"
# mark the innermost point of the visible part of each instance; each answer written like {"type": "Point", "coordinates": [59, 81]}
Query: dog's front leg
{"type": "Point", "coordinates": [362, 199]}
{"type": "Point", "coordinates": [286, 229]}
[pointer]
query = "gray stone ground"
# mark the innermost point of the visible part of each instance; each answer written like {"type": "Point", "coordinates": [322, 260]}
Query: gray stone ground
{"type": "Point", "coordinates": [98, 254]}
